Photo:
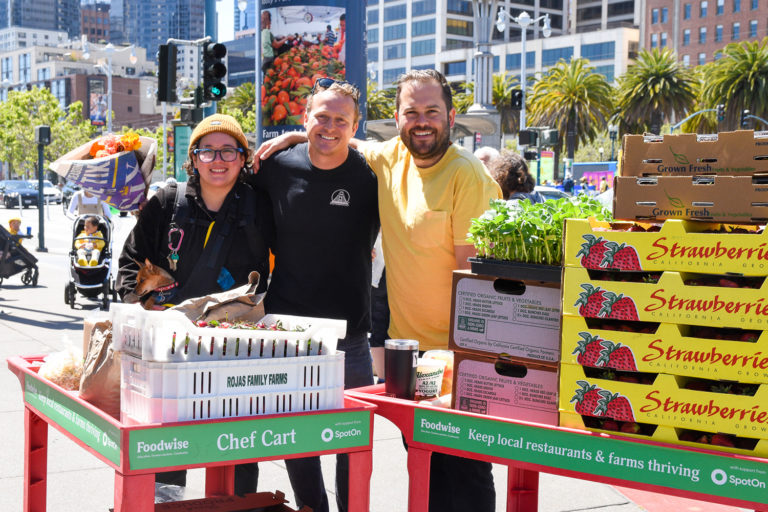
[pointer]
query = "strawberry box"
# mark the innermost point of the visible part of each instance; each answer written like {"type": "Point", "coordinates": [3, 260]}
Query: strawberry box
{"type": "Point", "coordinates": [679, 245]}
{"type": "Point", "coordinates": [676, 436]}
{"type": "Point", "coordinates": [667, 400]}
{"type": "Point", "coordinates": [692, 351]}
{"type": "Point", "coordinates": [491, 315]}
{"type": "Point", "coordinates": [668, 297]}
{"type": "Point", "coordinates": [505, 388]}
{"type": "Point", "coordinates": [738, 153]}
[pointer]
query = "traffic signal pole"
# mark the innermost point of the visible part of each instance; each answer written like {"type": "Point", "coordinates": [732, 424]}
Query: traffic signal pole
{"type": "Point", "coordinates": [210, 31]}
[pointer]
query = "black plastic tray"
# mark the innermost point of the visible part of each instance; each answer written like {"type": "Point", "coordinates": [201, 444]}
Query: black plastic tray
{"type": "Point", "coordinates": [516, 270]}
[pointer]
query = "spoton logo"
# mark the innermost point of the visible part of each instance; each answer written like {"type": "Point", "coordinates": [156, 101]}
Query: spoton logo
{"type": "Point", "coordinates": [719, 477]}
{"type": "Point", "coordinates": [327, 435]}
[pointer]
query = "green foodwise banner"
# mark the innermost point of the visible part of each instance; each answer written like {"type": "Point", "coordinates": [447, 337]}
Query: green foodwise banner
{"type": "Point", "coordinates": [86, 426]}
{"type": "Point", "coordinates": [237, 440]}
{"type": "Point", "coordinates": [633, 461]}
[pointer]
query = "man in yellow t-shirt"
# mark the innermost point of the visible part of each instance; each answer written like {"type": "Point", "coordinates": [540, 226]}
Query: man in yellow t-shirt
{"type": "Point", "coordinates": [428, 191]}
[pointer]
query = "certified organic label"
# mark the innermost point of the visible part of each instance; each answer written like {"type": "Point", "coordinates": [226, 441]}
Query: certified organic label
{"type": "Point", "coordinates": [524, 325]}
{"type": "Point", "coordinates": [86, 426]}
{"type": "Point", "coordinates": [246, 439]}
{"type": "Point", "coordinates": [675, 468]}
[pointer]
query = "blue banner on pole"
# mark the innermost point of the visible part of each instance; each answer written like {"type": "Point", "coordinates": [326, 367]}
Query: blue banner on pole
{"type": "Point", "coordinates": [301, 42]}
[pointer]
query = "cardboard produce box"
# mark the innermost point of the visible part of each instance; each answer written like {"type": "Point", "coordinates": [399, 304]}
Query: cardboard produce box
{"type": "Point", "coordinates": [666, 348]}
{"type": "Point", "coordinates": [679, 245]}
{"type": "Point", "coordinates": [492, 316]}
{"type": "Point", "coordinates": [735, 199]}
{"type": "Point", "coordinates": [739, 153]}
{"type": "Point", "coordinates": [676, 436]}
{"type": "Point", "coordinates": [669, 300]}
{"type": "Point", "coordinates": [667, 402]}
{"type": "Point", "coordinates": [505, 388]}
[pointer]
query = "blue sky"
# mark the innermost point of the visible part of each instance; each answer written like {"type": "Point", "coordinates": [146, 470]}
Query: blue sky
{"type": "Point", "coordinates": [226, 19]}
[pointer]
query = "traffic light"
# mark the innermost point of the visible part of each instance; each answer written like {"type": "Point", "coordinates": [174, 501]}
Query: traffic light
{"type": "Point", "coordinates": [550, 137]}
{"type": "Point", "coordinates": [517, 99]}
{"type": "Point", "coordinates": [166, 73]}
{"type": "Point", "coordinates": [743, 122]}
{"type": "Point", "coordinates": [720, 113]}
{"type": "Point", "coordinates": [527, 138]}
{"type": "Point", "coordinates": [213, 71]}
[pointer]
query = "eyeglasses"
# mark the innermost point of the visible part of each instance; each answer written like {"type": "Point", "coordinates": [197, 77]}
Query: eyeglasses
{"type": "Point", "coordinates": [209, 155]}
{"type": "Point", "coordinates": [327, 82]}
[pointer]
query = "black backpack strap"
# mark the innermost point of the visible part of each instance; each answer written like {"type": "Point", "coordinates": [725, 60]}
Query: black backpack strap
{"type": "Point", "coordinates": [180, 207]}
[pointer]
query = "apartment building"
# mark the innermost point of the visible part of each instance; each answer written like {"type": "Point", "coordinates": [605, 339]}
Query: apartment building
{"type": "Point", "coordinates": [695, 30]}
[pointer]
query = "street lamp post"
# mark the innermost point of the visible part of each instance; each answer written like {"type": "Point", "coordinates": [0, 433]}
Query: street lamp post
{"type": "Point", "coordinates": [109, 50]}
{"type": "Point", "coordinates": [600, 150]}
{"type": "Point", "coordinates": [523, 20]}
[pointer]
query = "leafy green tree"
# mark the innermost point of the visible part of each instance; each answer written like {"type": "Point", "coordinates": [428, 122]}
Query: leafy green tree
{"type": "Point", "coordinates": [380, 103]}
{"type": "Point", "coordinates": [654, 88]}
{"type": "Point", "coordinates": [22, 111]}
{"type": "Point", "coordinates": [571, 97]}
{"type": "Point", "coordinates": [739, 80]}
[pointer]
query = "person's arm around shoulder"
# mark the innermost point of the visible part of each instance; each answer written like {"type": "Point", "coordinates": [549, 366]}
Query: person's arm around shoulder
{"type": "Point", "coordinates": [288, 139]}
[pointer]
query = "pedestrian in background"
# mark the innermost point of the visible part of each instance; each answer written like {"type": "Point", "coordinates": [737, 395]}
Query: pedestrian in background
{"type": "Point", "coordinates": [510, 171]}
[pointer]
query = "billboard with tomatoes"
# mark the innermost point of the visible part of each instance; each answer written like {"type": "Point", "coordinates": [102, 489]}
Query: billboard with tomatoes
{"type": "Point", "coordinates": [301, 42]}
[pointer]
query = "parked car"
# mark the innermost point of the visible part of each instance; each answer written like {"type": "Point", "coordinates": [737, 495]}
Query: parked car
{"type": "Point", "coordinates": [14, 191]}
{"type": "Point", "coordinates": [67, 192]}
{"type": "Point", "coordinates": [51, 194]}
{"type": "Point", "coordinates": [551, 192]}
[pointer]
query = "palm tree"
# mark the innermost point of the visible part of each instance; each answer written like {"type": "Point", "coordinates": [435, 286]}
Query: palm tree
{"type": "Point", "coordinates": [739, 80]}
{"type": "Point", "coordinates": [242, 98]}
{"type": "Point", "coordinates": [574, 99]}
{"type": "Point", "coordinates": [381, 103]}
{"type": "Point", "coordinates": [657, 86]}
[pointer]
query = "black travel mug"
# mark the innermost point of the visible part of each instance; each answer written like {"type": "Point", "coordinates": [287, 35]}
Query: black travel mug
{"type": "Point", "coordinates": [400, 362]}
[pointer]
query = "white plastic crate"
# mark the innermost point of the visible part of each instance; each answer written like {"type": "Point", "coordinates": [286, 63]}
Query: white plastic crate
{"type": "Point", "coordinates": [195, 379]}
{"type": "Point", "coordinates": [137, 408]}
{"type": "Point", "coordinates": [171, 336]}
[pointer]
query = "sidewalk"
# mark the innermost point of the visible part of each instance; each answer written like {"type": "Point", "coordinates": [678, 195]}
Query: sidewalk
{"type": "Point", "coordinates": [36, 321]}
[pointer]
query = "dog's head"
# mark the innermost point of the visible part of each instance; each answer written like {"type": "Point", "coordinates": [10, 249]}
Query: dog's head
{"type": "Point", "coordinates": [150, 277]}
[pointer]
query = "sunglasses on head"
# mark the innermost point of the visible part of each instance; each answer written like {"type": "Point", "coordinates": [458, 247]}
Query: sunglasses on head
{"type": "Point", "coordinates": [325, 83]}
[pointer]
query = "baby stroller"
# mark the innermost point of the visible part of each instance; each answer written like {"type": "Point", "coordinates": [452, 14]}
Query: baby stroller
{"type": "Point", "coordinates": [91, 281]}
{"type": "Point", "coordinates": [14, 259]}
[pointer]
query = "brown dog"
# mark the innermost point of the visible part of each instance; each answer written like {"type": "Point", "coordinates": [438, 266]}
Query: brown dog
{"type": "Point", "coordinates": [155, 280]}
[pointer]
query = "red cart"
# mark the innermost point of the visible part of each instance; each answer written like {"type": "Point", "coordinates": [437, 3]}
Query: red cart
{"type": "Point", "coordinates": [528, 449]}
{"type": "Point", "coordinates": [137, 452]}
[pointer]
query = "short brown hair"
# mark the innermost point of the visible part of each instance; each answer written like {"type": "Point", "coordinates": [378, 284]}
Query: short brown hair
{"type": "Point", "coordinates": [423, 76]}
{"type": "Point", "coordinates": [343, 88]}
{"type": "Point", "coordinates": [510, 171]}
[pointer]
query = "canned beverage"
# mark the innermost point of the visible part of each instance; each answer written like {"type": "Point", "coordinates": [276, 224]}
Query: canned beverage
{"type": "Point", "coordinates": [29, 230]}
{"type": "Point", "coordinates": [400, 361]}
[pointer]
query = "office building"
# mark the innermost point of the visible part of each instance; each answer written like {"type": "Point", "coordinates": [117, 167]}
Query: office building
{"type": "Point", "coordinates": [440, 34]}
{"type": "Point", "coordinates": [94, 21]}
{"type": "Point", "coordinates": [149, 23]}
{"type": "Point", "coordinates": [695, 30]}
{"type": "Point", "coordinates": [42, 14]}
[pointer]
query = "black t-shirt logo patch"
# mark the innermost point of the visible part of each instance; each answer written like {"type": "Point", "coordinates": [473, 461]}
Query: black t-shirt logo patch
{"type": "Point", "coordinates": [340, 198]}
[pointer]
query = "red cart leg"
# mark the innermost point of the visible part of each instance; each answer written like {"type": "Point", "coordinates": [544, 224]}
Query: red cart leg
{"type": "Point", "coordinates": [360, 470]}
{"type": "Point", "coordinates": [35, 462]}
{"type": "Point", "coordinates": [418, 479]}
{"type": "Point", "coordinates": [134, 493]}
{"type": "Point", "coordinates": [522, 490]}
{"type": "Point", "coordinates": [219, 481]}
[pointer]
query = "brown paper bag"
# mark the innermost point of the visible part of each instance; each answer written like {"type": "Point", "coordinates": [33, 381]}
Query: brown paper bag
{"type": "Point", "coordinates": [241, 303]}
{"type": "Point", "coordinates": [100, 384]}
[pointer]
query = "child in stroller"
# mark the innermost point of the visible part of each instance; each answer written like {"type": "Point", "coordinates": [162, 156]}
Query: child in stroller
{"type": "Point", "coordinates": [89, 243]}
{"type": "Point", "coordinates": [90, 272]}
{"type": "Point", "coordinates": [15, 259]}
